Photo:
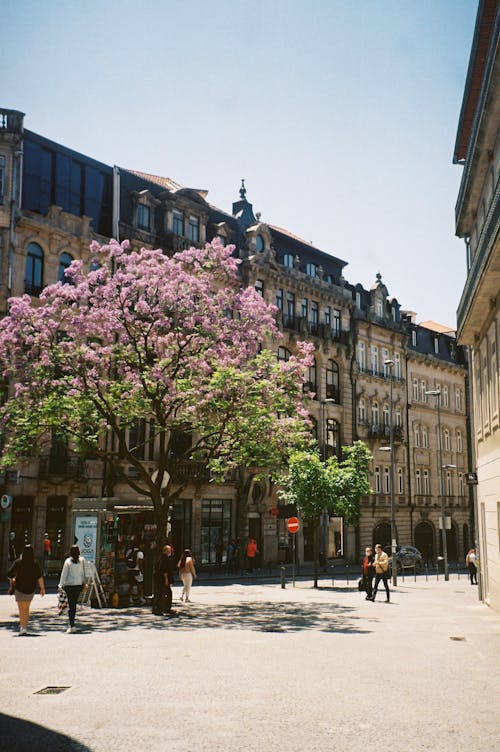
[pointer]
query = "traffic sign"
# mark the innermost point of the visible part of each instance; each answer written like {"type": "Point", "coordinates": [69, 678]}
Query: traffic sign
{"type": "Point", "coordinates": [293, 525]}
{"type": "Point", "coordinates": [274, 511]}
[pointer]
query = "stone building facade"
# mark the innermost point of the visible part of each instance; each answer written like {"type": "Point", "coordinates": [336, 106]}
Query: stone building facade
{"type": "Point", "coordinates": [477, 211]}
{"type": "Point", "coordinates": [368, 354]}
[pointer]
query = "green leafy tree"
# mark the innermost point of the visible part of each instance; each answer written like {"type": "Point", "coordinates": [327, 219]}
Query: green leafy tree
{"type": "Point", "coordinates": [336, 486]}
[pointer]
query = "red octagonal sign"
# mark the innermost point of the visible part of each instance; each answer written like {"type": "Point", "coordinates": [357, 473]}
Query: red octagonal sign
{"type": "Point", "coordinates": [293, 525]}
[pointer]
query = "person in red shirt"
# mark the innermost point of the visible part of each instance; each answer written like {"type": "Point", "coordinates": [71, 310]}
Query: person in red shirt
{"type": "Point", "coordinates": [47, 552]}
{"type": "Point", "coordinates": [252, 552]}
{"type": "Point", "coordinates": [368, 572]}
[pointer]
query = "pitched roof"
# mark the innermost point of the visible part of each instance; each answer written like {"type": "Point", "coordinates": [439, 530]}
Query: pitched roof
{"type": "Point", "coordinates": [438, 328]}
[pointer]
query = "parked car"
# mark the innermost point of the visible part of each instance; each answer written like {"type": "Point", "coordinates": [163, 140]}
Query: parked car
{"type": "Point", "coordinates": [407, 557]}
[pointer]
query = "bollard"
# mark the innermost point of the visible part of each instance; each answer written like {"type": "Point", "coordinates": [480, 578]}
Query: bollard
{"type": "Point", "coordinates": [282, 572]}
{"type": "Point", "coordinates": [333, 574]}
{"type": "Point", "coordinates": [347, 573]}
{"type": "Point", "coordinates": [426, 572]}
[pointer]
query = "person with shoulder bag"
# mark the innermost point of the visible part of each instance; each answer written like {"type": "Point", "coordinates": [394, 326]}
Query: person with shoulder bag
{"type": "Point", "coordinates": [381, 563]}
{"type": "Point", "coordinates": [24, 574]}
{"type": "Point", "coordinates": [73, 582]}
{"type": "Point", "coordinates": [186, 572]}
{"type": "Point", "coordinates": [368, 573]}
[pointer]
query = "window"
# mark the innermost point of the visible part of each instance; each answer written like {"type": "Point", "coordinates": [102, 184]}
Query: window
{"type": "Point", "coordinates": [423, 389]}
{"type": "Point", "coordinates": [375, 413]}
{"type": "Point", "coordinates": [313, 317]}
{"type": "Point", "coordinates": [385, 414]}
{"type": "Point", "coordinates": [288, 260]}
{"type": "Point", "coordinates": [358, 300]}
{"type": "Point", "coordinates": [137, 438]}
{"type": "Point", "coordinates": [400, 481]}
{"type": "Point", "coordinates": [215, 527]}
{"type": "Point", "coordinates": [414, 337]}
{"type": "Point", "coordinates": [283, 354]}
{"type": "Point", "coordinates": [194, 229]}
{"type": "Point", "coordinates": [460, 447]}
{"type": "Point", "coordinates": [449, 483]}
{"type": "Point", "coordinates": [427, 483]}
{"type": "Point", "coordinates": [332, 437]}
{"type": "Point", "coordinates": [64, 262]}
{"type": "Point", "coordinates": [446, 435]}
{"type": "Point", "coordinates": [33, 278]}
{"type": "Point", "coordinates": [303, 308]}
{"type": "Point", "coordinates": [379, 309]}
{"type": "Point", "coordinates": [425, 437]}
{"type": "Point", "coordinates": [328, 315]}
{"type": "Point", "coordinates": [310, 385]}
{"type": "Point", "coordinates": [377, 479]}
{"type": "Point", "coordinates": [387, 484]}
{"type": "Point", "coordinates": [361, 356]}
{"type": "Point", "coordinates": [259, 287]}
{"type": "Point", "coordinates": [458, 399]}
{"type": "Point", "coordinates": [418, 482]}
{"type": "Point", "coordinates": [311, 270]}
{"type": "Point", "coordinates": [461, 484]}
{"type": "Point", "coordinates": [178, 223]}
{"type": "Point", "coordinates": [436, 345]}
{"type": "Point", "coordinates": [415, 390]}
{"type": "Point", "coordinates": [290, 309]}
{"type": "Point", "coordinates": [362, 410]}
{"type": "Point", "coordinates": [494, 378]}
{"type": "Point", "coordinates": [259, 243]}
{"type": "Point", "coordinates": [397, 419]}
{"type": "Point", "coordinates": [143, 217]}
{"type": "Point", "coordinates": [416, 432]}
{"type": "Point", "coordinates": [397, 365]}
{"type": "Point", "coordinates": [279, 299]}
{"type": "Point", "coordinates": [374, 359]}
{"type": "Point", "coordinates": [385, 366]}
{"type": "Point", "coordinates": [336, 323]}
{"type": "Point", "coordinates": [332, 381]}
{"type": "Point", "coordinates": [2, 179]}
{"type": "Point", "coordinates": [446, 397]}
{"type": "Point", "coordinates": [394, 312]}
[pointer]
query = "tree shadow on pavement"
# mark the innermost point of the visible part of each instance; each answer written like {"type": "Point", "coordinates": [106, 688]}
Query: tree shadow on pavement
{"type": "Point", "coordinates": [260, 616]}
{"type": "Point", "coordinates": [18, 735]}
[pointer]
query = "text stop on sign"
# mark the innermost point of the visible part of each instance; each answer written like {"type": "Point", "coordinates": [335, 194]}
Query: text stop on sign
{"type": "Point", "coordinates": [293, 525]}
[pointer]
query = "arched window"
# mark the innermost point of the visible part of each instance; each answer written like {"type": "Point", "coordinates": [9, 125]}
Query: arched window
{"type": "Point", "coordinates": [33, 278]}
{"type": "Point", "coordinates": [310, 384]}
{"type": "Point", "coordinates": [418, 482]}
{"type": "Point", "coordinates": [259, 243]}
{"type": "Point", "coordinates": [385, 414]}
{"type": "Point", "coordinates": [387, 485]}
{"type": "Point", "coordinates": [425, 437]}
{"type": "Point", "coordinates": [332, 437]}
{"type": "Point", "coordinates": [460, 446]}
{"type": "Point", "coordinates": [397, 417]}
{"type": "Point", "coordinates": [416, 431]}
{"type": "Point", "coordinates": [65, 260]}
{"type": "Point", "coordinates": [332, 381]}
{"type": "Point", "coordinates": [362, 410]}
{"type": "Point", "coordinates": [375, 413]}
{"type": "Point", "coordinates": [401, 487]}
{"type": "Point", "coordinates": [377, 480]}
{"type": "Point", "coordinates": [446, 435]}
{"type": "Point", "coordinates": [284, 354]}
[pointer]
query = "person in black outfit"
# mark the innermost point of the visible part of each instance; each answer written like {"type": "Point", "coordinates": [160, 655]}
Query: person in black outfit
{"type": "Point", "coordinates": [368, 573]}
{"type": "Point", "coordinates": [24, 575]}
{"type": "Point", "coordinates": [163, 581]}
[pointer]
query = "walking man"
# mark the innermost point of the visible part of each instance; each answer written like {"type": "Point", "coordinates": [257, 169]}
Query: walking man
{"type": "Point", "coordinates": [381, 562]}
{"type": "Point", "coordinates": [164, 579]}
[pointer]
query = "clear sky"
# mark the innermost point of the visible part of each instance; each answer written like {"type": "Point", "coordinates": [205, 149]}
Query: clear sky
{"type": "Point", "coordinates": [341, 115]}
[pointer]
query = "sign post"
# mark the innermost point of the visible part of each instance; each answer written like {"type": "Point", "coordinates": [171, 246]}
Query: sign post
{"type": "Point", "coordinates": [293, 526]}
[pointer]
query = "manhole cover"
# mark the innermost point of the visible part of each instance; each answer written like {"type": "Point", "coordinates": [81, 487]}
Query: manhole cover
{"type": "Point", "coordinates": [51, 690]}
{"type": "Point", "coordinates": [458, 639]}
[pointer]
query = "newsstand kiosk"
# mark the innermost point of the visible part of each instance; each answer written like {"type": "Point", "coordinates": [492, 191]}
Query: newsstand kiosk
{"type": "Point", "coordinates": [105, 529]}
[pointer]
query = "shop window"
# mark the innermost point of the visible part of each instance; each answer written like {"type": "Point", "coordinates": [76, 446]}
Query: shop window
{"type": "Point", "coordinates": [215, 530]}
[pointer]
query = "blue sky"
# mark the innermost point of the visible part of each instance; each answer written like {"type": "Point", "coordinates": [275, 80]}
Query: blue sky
{"type": "Point", "coordinates": [341, 115]}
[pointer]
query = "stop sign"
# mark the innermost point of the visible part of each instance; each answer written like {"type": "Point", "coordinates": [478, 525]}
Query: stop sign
{"type": "Point", "coordinates": [293, 525]}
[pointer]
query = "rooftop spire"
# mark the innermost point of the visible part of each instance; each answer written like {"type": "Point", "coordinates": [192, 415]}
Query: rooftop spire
{"type": "Point", "coordinates": [243, 190]}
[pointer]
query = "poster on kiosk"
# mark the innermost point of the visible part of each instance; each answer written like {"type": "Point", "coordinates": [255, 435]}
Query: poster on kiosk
{"type": "Point", "coordinates": [86, 532]}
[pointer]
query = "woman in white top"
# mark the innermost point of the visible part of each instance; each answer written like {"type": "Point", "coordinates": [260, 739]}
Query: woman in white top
{"type": "Point", "coordinates": [72, 582]}
{"type": "Point", "coordinates": [186, 573]}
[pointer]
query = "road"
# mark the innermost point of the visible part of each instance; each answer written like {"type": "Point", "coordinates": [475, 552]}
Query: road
{"type": "Point", "coordinates": [255, 666]}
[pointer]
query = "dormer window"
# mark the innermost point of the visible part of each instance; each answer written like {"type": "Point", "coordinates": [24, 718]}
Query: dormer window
{"type": "Point", "coordinates": [143, 217]}
{"type": "Point", "coordinates": [259, 243]}
{"type": "Point", "coordinates": [288, 260]}
{"type": "Point", "coordinates": [379, 309]}
{"type": "Point", "coordinates": [178, 223]}
{"type": "Point", "coordinates": [194, 229]}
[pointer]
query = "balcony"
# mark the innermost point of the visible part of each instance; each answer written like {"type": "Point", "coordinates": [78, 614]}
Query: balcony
{"type": "Point", "coordinates": [56, 469]}
{"type": "Point", "coordinates": [177, 243]}
{"type": "Point", "coordinates": [381, 431]}
{"type": "Point", "coordinates": [11, 121]}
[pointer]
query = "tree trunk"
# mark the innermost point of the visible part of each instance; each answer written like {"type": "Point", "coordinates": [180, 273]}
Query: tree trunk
{"type": "Point", "coordinates": [315, 551]}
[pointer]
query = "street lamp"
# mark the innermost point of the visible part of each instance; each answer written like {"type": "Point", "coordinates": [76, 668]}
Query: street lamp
{"type": "Point", "coordinates": [437, 393]}
{"type": "Point", "coordinates": [324, 436]}
{"type": "Point", "coordinates": [390, 448]}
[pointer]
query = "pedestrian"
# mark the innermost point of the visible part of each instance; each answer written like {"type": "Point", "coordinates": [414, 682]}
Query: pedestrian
{"type": "Point", "coordinates": [230, 555]}
{"type": "Point", "coordinates": [47, 552]}
{"type": "Point", "coordinates": [163, 581]}
{"type": "Point", "coordinates": [72, 581]}
{"type": "Point", "coordinates": [368, 573]}
{"type": "Point", "coordinates": [24, 575]}
{"type": "Point", "coordinates": [12, 546]}
{"type": "Point", "coordinates": [471, 562]}
{"type": "Point", "coordinates": [252, 552]}
{"type": "Point", "coordinates": [186, 572]}
{"type": "Point", "coordinates": [381, 563]}
{"type": "Point", "coordinates": [135, 562]}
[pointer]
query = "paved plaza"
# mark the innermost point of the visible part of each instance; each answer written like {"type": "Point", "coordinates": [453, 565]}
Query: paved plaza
{"type": "Point", "coordinates": [255, 666]}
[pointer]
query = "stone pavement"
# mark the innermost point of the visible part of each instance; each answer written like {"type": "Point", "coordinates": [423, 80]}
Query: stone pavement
{"type": "Point", "coordinates": [255, 666]}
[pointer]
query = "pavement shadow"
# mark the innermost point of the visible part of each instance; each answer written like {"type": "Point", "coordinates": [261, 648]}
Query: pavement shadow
{"type": "Point", "coordinates": [18, 735]}
{"type": "Point", "coordinates": [258, 616]}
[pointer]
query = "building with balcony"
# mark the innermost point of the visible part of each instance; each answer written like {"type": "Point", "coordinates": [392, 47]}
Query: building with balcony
{"type": "Point", "coordinates": [367, 350]}
{"type": "Point", "coordinates": [477, 214]}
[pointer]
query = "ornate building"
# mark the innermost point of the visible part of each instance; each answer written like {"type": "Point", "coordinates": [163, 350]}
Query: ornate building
{"type": "Point", "coordinates": [477, 211]}
{"type": "Point", "coordinates": [373, 364]}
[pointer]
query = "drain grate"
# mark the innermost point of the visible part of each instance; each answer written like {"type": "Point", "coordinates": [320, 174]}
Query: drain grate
{"type": "Point", "coordinates": [51, 690]}
{"type": "Point", "coordinates": [458, 639]}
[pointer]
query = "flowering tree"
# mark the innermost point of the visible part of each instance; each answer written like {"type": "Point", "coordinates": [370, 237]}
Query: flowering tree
{"type": "Point", "coordinates": [336, 486]}
{"type": "Point", "coordinates": [172, 341]}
